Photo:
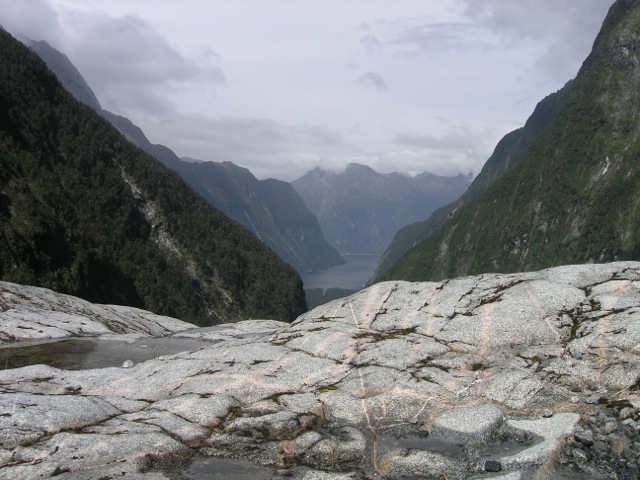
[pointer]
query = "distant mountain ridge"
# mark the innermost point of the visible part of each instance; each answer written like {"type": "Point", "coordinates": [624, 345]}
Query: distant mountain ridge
{"type": "Point", "coordinates": [66, 72]}
{"type": "Point", "coordinates": [574, 195]}
{"type": "Point", "coordinates": [360, 210]}
{"type": "Point", "coordinates": [84, 212]}
{"type": "Point", "coordinates": [271, 209]}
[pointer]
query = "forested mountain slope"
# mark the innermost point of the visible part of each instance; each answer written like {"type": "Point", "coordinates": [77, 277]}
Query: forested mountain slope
{"type": "Point", "coordinates": [574, 197]}
{"type": "Point", "coordinates": [508, 153]}
{"type": "Point", "coordinates": [84, 212]}
{"type": "Point", "coordinates": [271, 209]}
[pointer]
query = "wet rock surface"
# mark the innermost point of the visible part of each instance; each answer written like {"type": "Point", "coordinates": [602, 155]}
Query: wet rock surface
{"type": "Point", "coordinates": [93, 352]}
{"type": "Point", "coordinates": [520, 376]}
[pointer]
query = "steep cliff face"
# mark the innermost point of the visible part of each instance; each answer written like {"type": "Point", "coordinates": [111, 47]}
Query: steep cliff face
{"type": "Point", "coordinates": [84, 212]}
{"type": "Point", "coordinates": [66, 72]}
{"type": "Point", "coordinates": [507, 154]}
{"type": "Point", "coordinates": [574, 196]}
{"type": "Point", "coordinates": [360, 210]}
{"type": "Point", "coordinates": [272, 210]}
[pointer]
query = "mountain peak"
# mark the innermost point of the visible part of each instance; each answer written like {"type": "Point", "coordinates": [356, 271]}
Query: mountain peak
{"type": "Point", "coordinates": [360, 210]}
{"type": "Point", "coordinates": [66, 72]}
{"type": "Point", "coordinates": [359, 168]}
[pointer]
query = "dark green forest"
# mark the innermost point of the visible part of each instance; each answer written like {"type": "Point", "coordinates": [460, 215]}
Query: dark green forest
{"type": "Point", "coordinates": [573, 197]}
{"type": "Point", "coordinates": [84, 212]}
{"type": "Point", "coordinates": [508, 153]}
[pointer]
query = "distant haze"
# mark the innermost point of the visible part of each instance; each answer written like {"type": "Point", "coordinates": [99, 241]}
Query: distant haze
{"type": "Point", "coordinates": [283, 86]}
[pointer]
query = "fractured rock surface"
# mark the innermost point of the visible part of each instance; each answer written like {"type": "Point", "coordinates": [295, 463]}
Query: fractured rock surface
{"type": "Point", "coordinates": [492, 376]}
{"type": "Point", "coordinates": [38, 313]}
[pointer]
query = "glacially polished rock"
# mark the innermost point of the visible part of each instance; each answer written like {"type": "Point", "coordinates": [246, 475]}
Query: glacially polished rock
{"type": "Point", "coordinates": [28, 312]}
{"type": "Point", "coordinates": [475, 358]}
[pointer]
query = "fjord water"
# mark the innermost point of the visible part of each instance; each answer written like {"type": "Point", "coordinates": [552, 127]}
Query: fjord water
{"type": "Point", "coordinates": [211, 468]}
{"type": "Point", "coordinates": [350, 276]}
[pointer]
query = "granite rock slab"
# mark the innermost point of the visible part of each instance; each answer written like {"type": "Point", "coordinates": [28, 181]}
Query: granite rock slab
{"type": "Point", "coordinates": [28, 312]}
{"type": "Point", "coordinates": [465, 361]}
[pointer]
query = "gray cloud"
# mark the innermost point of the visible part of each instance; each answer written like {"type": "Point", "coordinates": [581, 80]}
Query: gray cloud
{"type": "Point", "coordinates": [459, 140]}
{"type": "Point", "coordinates": [439, 162]}
{"type": "Point", "coordinates": [320, 137]}
{"type": "Point", "coordinates": [268, 148]}
{"type": "Point", "coordinates": [128, 63]}
{"type": "Point", "coordinates": [35, 19]}
{"type": "Point", "coordinates": [564, 28]}
{"type": "Point", "coordinates": [129, 56]}
{"type": "Point", "coordinates": [373, 79]}
{"type": "Point", "coordinates": [537, 18]}
{"type": "Point", "coordinates": [370, 44]}
{"type": "Point", "coordinates": [425, 37]}
{"type": "Point", "coordinates": [459, 149]}
{"type": "Point", "coordinates": [567, 28]}
{"type": "Point", "coordinates": [226, 137]}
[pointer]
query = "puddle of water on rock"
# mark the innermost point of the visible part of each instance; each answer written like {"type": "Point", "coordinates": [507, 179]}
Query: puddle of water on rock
{"type": "Point", "coordinates": [213, 468]}
{"type": "Point", "coordinates": [84, 353]}
{"type": "Point", "coordinates": [567, 473]}
{"type": "Point", "coordinates": [501, 447]}
{"type": "Point", "coordinates": [417, 442]}
{"type": "Point", "coordinates": [495, 448]}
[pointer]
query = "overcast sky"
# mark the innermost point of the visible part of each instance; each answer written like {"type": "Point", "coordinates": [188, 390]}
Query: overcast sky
{"type": "Point", "coordinates": [283, 86]}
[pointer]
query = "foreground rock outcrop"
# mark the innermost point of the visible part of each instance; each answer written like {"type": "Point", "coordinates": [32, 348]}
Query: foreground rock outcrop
{"type": "Point", "coordinates": [38, 313]}
{"type": "Point", "coordinates": [533, 375]}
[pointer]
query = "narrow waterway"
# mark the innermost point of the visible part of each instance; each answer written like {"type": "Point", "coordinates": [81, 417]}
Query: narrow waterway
{"type": "Point", "coordinates": [350, 276]}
